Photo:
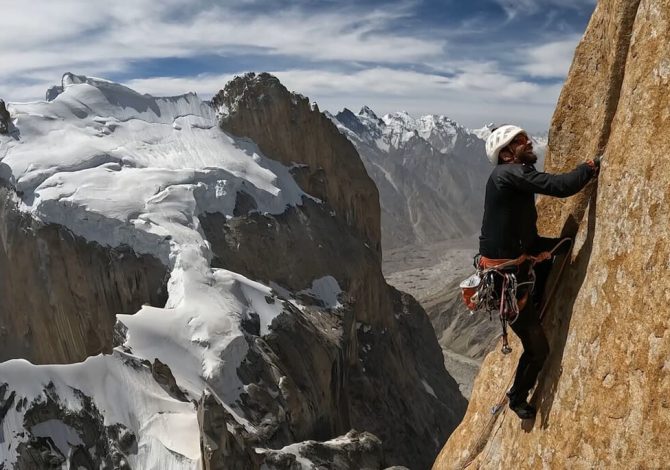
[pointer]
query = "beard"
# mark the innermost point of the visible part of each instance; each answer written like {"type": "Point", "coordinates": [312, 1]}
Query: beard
{"type": "Point", "coordinates": [524, 154]}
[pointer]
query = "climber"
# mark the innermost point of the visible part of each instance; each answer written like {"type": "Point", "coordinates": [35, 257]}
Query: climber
{"type": "Point", "coordinates": [509, 231]}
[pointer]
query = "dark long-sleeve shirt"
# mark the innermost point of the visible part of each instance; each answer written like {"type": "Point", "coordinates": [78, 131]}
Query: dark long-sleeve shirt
{"type": "Point", "coordinates": [509, 227]}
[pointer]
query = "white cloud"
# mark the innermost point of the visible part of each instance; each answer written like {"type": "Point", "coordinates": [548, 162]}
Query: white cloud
{"type": "Point", "coordinates": [387, 90]}
{"type": "Point", "coordinates": [551, 60]}
{"type": "Point", "coordinates": [515, 8]}
{"type": "Point", "coordinates": [472, 98]}
{"type": "Point", "coordinates": [47, 36]}
{"type": "Point", "coordinates": [41, 41]}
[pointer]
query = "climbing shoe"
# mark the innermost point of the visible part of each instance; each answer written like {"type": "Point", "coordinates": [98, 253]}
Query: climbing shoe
{"type": "Point", "coordinates": [521, 407]}
{"type": "Point", "coordinates": [523, 410]}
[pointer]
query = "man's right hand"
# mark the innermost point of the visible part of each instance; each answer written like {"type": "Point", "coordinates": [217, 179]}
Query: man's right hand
{"type": "Point", "coordinates": [595, 165]}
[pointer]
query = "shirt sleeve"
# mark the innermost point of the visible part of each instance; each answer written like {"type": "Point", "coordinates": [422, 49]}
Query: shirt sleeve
{"type": "Point", "coordinates": [528, 179]}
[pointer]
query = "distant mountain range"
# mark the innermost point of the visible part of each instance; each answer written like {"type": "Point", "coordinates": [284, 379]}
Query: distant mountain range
{"type": "Point", "coordinates": [431, 173]}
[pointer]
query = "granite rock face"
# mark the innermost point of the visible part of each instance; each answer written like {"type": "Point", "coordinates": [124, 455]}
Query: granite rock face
{"type": "Point", "coordinates": [286, 126]}
{"type": "Point", "coordinates": [603, 395]}
{"type": "Point", "coordinates": [61, 294]}
{"type": "Point", "coordinates": [377, 354]}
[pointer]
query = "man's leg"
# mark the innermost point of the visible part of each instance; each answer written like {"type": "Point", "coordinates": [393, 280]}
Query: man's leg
{"type": "Point", "coordinates": [535, 352]}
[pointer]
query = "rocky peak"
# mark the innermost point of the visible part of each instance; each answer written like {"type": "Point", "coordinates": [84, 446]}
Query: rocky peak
{"type": "Point", "coordinates": [368, 113]}
{"type": "Point", "coordinates": [485, 131]}
{"type": "Point", "coordinates": [360, 127]}
{"type": "Point", "coordinates": [53, 92]}
{"type": "Point", "coordinates": [326, 162]}
{"type": "Point", "coordinates": [603, 393]}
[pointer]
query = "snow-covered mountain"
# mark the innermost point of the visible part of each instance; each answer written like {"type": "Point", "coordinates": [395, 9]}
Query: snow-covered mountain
{"type": "Point", "coordinates": [430, 171]}
{"type": "Point", "coordinates": [210, 252]}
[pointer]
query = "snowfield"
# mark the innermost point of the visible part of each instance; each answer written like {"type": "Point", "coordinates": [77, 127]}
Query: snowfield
{"type": "Point", "coordinates": [120, 168]}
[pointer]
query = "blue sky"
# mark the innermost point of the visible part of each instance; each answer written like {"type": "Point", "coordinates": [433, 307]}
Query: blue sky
{"type": "Point", "coordinates": [476, 61]}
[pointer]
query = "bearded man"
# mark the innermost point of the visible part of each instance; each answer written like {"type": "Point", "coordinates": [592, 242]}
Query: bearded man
{"type": "Point", "coordinates": [509, 231]}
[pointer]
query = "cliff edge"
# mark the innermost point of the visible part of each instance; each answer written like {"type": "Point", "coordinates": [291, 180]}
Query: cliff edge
{"type": "Point", "coordinates": [603, 394]}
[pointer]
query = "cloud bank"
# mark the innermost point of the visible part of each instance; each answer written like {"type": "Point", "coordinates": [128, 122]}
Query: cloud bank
{"type": "Point", "coordinates": [393, 55]}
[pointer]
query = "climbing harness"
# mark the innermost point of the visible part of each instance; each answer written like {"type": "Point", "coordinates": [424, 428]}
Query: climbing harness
{"type": "Point", "coordinates": [494, 287]}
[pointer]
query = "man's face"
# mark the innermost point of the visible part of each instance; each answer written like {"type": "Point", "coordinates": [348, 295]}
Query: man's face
{"type": "Point", "coordinates": [522, 149]}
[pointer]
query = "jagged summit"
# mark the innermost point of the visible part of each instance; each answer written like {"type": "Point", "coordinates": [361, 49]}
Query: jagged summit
{"type": "Point", "coordinates": [485, 131]}
{"type": "Point", "coordinates": [394, 130]}
{"type": "Point", "coordinates": [430, 172]}
{"type": "Point", "coordinates": [365, 111]}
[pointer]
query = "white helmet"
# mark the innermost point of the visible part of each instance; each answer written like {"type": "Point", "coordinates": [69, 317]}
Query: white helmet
{"type": "Point", "coordinates": [499, 139]}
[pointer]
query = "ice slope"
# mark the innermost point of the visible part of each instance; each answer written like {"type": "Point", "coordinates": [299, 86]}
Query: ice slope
{"type": "Point", "coordinates": [117, 167]}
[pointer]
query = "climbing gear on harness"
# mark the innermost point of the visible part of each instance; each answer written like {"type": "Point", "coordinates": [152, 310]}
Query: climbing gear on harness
{"type": "Point", "coordinates": [494, 287]}
{"type": "Point", "coordinates": [469, 288]}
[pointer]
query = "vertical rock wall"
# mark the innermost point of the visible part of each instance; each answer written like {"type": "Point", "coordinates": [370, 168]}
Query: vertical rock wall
{"type": "Point", "coordinates": [59, 294]}
{"type": "Point", "coordinates": [285, 126]}
{"type": "Point", "coordinates": [603, 394]}
{"type": "Point", "coordinates": [387, 377]}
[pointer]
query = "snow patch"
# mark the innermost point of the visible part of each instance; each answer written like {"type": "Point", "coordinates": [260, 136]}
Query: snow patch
{"type": "Point", "coordinates": [326, 290]}
{"type": "Point", "coordinates": [120, 168]}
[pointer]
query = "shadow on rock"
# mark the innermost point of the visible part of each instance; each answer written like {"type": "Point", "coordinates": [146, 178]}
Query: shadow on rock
{"type": "Point", "coordinates": [527, 425]}
{"type": "Point", "coordinates": [6, 176]}
{"type": "Point", "coordinates": [557, 322]}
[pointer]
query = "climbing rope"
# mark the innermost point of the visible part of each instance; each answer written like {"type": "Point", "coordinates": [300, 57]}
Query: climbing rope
{"type": "Point", "coordinates": [552, 291]}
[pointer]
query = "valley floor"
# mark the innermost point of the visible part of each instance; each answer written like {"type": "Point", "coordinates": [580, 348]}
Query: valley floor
{"type": "Point", "coordinates": [423, 271]}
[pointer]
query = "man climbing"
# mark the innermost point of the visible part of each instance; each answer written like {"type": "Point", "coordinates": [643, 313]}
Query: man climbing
{"type": "Point", "coordinates": [509, 232]}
